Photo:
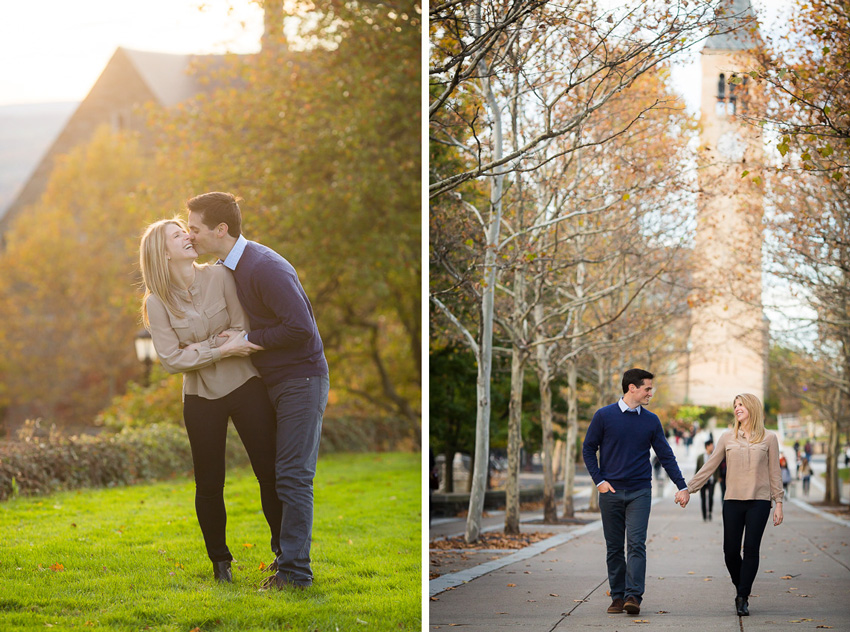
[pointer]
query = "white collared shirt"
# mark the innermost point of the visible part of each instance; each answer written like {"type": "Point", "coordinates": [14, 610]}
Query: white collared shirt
{"type": "Point", "coordinates": [235, 253]}
{"type": "Point", "coordinates": [624, 406]}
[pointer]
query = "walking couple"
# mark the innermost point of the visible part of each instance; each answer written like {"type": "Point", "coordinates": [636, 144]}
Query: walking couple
{"type": "Point", "coordinates": [244, 336]}
{"type": "Point", "coordinates": [624, 432]}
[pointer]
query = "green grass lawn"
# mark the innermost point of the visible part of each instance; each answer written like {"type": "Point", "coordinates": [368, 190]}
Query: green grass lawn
{"type": "Point", "coordinates": [133, 558]}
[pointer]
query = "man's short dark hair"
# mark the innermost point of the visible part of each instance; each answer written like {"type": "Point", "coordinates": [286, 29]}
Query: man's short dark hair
{"type": "Point", "coordinates": [216, 208]}
{"type": "Point", "coordinates": [709, 442]}
{"type": "Point", "coordinates": [636, 377]}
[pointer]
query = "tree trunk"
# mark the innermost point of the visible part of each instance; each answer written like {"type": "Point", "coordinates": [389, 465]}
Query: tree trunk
{"type": "Point", "coordinates": [832, 496]}
{"type": "Point", "coordinates": [485, 352]}
{"type": "Point", "coordinates": [544, 374]}
{"type": "Point", "coordinates": [449, 469]}
{"type": "Point", "coordinates": [512, 514]}
{"type": "Point", "coordinates": [572, 434]}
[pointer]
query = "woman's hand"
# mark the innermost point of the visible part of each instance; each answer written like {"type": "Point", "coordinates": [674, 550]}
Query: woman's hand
{"type": "Point", "coordinates": [777, 515]}
{"type": "Point", "coordinates": [237, 345]}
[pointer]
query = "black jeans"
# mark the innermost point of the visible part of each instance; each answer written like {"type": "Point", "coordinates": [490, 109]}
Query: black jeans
{"type": "Point", "coordinates": [206, 425]}
{"type": "Point", "coordinates": [743, 519]}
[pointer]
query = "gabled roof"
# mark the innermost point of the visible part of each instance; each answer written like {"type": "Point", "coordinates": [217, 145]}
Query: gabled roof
{"type": "Point", "coordinates": [737, 25]}
{"type": "Point", "coordinates": [167, 75]}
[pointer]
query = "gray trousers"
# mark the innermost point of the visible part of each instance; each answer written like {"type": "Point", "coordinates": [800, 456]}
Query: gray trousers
{"type": "Point", "coordinates": [299, 405]}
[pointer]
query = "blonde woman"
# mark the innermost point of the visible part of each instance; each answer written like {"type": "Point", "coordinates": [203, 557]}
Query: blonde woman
{"type": "Point", "coordinates": [753, 480]}
{"type": "Point", "coordinates": [194, 318]}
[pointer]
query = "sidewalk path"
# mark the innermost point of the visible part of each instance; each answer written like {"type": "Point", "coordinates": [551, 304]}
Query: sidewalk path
{"type": "Point", "coordinates": [563, 587]}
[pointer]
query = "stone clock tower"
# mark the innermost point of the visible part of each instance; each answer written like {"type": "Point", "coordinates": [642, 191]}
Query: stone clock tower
{"type": "Point", "coordinates": [727, 346]}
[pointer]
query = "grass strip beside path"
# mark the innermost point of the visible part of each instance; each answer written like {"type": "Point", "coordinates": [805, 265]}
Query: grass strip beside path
{"type": "Point", "coordinates": [133, 558]}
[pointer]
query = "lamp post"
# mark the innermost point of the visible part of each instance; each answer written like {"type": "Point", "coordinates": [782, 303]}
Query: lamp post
{"type": "Point", "coordinates": [145, 352]}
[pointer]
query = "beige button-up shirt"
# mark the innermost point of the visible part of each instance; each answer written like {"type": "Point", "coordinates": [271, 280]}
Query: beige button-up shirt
{"type": "Point", "coordinates": [210, 307]}
{"type": "Point", "coordinates": [752, 469]}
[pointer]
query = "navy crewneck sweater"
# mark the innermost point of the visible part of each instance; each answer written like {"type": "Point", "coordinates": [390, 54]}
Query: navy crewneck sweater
{"type": "Point", "coordinates": [281, 317]}
{"type": "Point", "coordinates": [623, 440]}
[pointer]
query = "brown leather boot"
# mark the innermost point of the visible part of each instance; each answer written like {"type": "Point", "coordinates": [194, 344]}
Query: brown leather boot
{"type": "Point", "coordinates": [616, 607]}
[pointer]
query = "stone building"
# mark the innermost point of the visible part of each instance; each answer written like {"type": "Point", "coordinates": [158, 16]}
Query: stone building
{"type": "Point", "coordinates": [728, 341]}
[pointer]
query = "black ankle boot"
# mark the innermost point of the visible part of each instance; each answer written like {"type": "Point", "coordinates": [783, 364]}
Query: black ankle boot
{"type": "Point", "coordinates": [742, 607]}
{"type": "Point", "coordinates": [222, 573]}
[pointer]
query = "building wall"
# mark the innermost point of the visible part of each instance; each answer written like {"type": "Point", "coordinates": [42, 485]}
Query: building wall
{"type": "Point", "coordinates": [728, 338]}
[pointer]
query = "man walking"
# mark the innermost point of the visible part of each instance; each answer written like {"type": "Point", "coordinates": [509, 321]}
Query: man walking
{"type": "Point", "coordinates": [290, 358]}
{"type": "Point", "coordinates": [623, 433]}
{"type": "Point", "coordinates": [706, 494]}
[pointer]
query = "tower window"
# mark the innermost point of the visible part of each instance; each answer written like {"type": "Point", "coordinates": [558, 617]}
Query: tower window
{"type": "Point", "coordinates": [720, 109]}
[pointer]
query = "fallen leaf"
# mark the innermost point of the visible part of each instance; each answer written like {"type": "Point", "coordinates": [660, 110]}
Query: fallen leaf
{"type": "Point", "coordinates": [248, 545]}
{"type": "Point", "coordinates": [707, 579]}
{"type": "Point", "coordinates": [435, 599]}
{"type": "Point", "coordinates": [768, 571]}
{"type": "Point", "coordinates": [786, 577]}
{"type": "Point", "coordinates": [825, 627]}
{"type": "Point", "coordinates": [579, 600]}
{"type": "Point", "coordinates": [262, 566]}
{"type": "Point", "coordinates": [511, 585]}
{"type": "Point", "coordinates": [691, 573]}
{"type": "Point", "coordinates": [662, 612]}
{"type": "Point", "coordinates": [56, 568]}
{"type": "Point", "coordinates": [641, 620]}
{"type": "Point", "coordinates": [553, 595]}
{"type": "Point", "coordinates": [807, 560]}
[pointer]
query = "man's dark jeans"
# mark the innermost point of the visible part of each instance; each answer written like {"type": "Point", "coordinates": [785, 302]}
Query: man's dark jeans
{"type": "Point", "coordinates": [299, 404]}
{"type": "Point", "coordinates": [625, 517]}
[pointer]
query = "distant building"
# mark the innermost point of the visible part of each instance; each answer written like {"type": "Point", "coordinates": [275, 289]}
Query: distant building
{"type": "Point", "coordinates": [131, 79]}
{"type": "Point", "coordinates": [728, 341]}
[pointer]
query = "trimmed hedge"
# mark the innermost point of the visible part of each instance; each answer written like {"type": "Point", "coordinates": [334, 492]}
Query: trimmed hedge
{"type": "Point", "coordinates": [41, 466]}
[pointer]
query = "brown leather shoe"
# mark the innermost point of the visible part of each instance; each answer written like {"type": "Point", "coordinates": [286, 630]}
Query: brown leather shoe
{"type": "Point", "coordinates": [616, 607]}
{"type": "Point", "coordinates": [631, 606]}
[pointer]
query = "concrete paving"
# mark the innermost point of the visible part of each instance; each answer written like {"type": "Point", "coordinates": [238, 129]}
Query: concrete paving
{"type": "Point", "coordinates": [561, 583]}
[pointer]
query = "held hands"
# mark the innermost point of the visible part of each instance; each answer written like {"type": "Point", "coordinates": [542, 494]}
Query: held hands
{"type": "Point", "coordinates": [683, 496]}
{"type": "Point", "coordinates": [237, 345]}
{"type": "Point", "coordinates": [777, 515]}
{"type": "Point", "coordinates": [605, 487]}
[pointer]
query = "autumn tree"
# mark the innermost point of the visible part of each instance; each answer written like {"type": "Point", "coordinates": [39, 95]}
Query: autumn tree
{"type": "Point", "coordinates": [320, 137]}
{"type": "Point", "coordinates": [803, 73]}
{"type": "Point", "coordinates": [68, 283]}
{"type": "Point", "coordinates": [507, 86]}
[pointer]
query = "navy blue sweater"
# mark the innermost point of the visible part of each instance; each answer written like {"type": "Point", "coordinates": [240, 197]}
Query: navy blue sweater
{"type": "Point", "coordinates": [623, 440]}
{"type": "Point", "coordinates": [281, 317]}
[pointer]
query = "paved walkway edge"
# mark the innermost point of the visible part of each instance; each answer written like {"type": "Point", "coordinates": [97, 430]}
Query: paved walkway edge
{"type": "Point", "coordinates": [451, 580]}
{"type": "Point", "coordinates": [823, 514]}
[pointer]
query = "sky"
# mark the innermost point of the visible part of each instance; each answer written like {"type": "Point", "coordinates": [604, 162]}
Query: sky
{"type": "Point", "coordinates": [54, 50]}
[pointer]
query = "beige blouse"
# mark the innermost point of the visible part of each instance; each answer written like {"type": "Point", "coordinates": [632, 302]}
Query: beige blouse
{"type": "Point", "coordinates": [752, 469]}
{"type": "Point", "coordinates": [210, 307]}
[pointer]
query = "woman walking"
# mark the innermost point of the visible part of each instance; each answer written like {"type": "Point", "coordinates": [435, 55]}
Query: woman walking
{"type": "Point", "coordinates": [194, 316]}
{"type": "Point", "coordinates": [752, 481]}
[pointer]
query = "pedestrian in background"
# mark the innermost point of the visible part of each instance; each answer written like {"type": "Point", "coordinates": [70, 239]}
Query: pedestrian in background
{"type": "Point", "coordinates": [806, 474]}
{"type": "Point", "coordinates": [706, 494]}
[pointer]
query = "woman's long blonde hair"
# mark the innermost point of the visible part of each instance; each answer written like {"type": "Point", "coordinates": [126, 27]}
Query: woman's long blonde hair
{"type": "Point", "coordinates": [756, 411]}
{"type": "Point", "coordinates": [153, 261]}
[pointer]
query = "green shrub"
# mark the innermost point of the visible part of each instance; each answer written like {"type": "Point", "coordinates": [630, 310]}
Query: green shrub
{"type": "Point", "coordinates": [40, 466]}
{"type": "Point", "coordinates": [159, 403]}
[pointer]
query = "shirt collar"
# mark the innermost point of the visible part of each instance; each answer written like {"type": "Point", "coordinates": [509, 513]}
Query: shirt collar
{"type": "Point", "coordinates": [624, 406]}
{"type": "Point", "coordinates": [235, 253]}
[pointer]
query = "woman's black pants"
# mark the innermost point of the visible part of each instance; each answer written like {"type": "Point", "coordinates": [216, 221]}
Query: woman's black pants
{"type": "Point", "coordinates": [206, 424]}
{"type": "Point", "coordinates": [743, 519]}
